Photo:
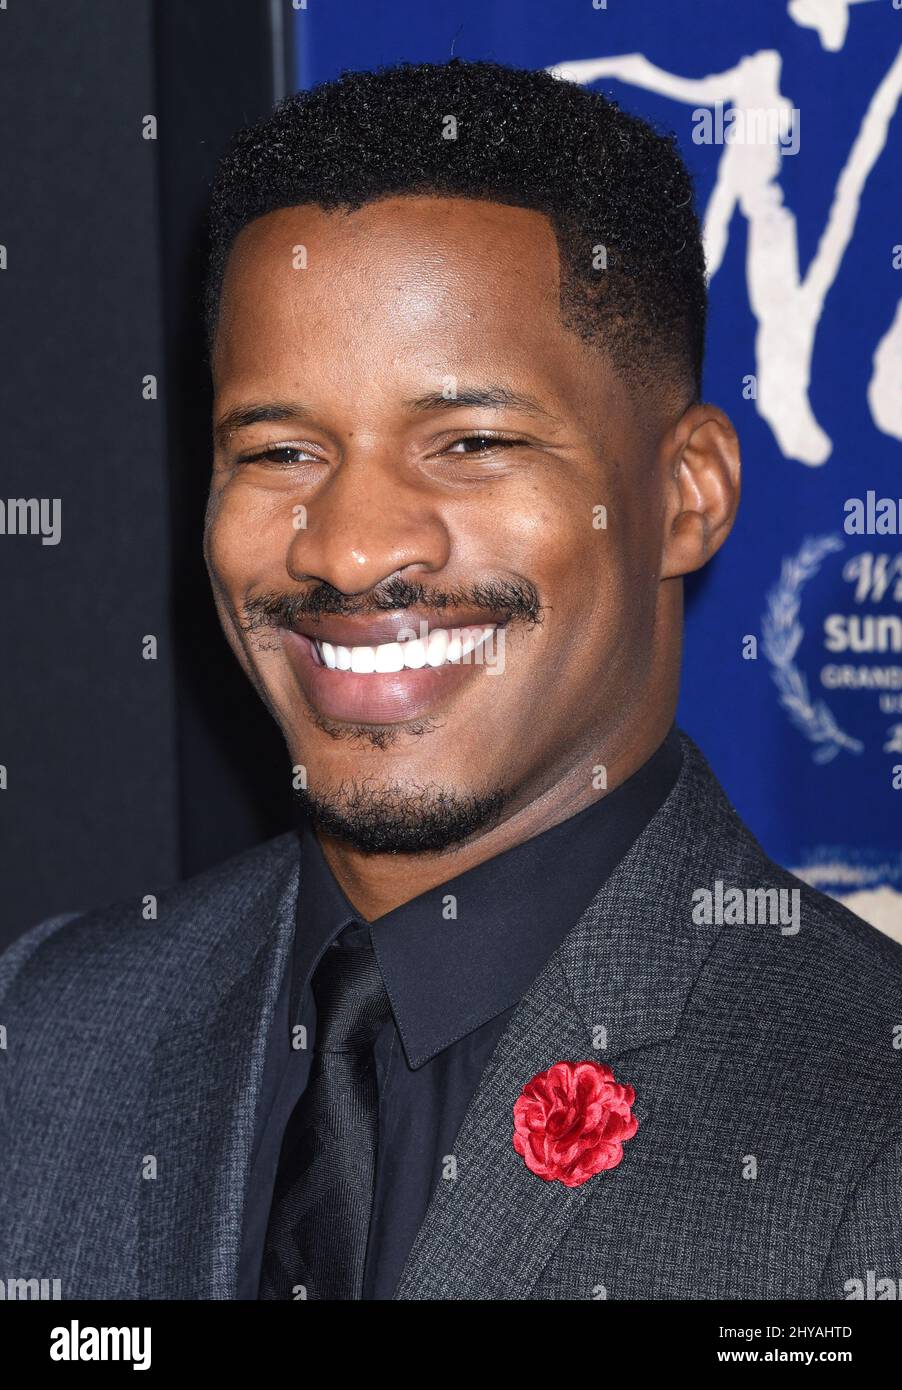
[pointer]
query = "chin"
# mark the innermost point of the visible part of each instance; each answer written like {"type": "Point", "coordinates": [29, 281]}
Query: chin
{"type": "Point", "coordinates": [395, 818]}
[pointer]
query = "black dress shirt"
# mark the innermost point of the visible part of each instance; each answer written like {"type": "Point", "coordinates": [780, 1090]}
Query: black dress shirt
{"type": "Point", "coordinates": [455, 962]}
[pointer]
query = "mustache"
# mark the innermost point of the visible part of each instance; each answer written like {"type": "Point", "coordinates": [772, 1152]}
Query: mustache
{"type": "Point", "coordinates": [503, 600]}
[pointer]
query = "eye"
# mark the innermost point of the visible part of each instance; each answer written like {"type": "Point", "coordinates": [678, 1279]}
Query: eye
{"type": "Point", "coordinates": [483, 443]}
{"type": "Point", "coordinates": [282, 455]}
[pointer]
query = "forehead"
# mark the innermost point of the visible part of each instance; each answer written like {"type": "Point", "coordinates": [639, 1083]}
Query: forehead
{"type": "Point", "coordinates": [410, 287]}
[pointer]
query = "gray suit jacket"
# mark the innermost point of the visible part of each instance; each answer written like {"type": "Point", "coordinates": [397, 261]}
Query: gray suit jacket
{"type": "Point", "coordinates": [767, 1163]}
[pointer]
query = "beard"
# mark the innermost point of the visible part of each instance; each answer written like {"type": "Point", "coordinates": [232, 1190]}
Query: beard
{"type": "Point", "coordinates": [400, 819]}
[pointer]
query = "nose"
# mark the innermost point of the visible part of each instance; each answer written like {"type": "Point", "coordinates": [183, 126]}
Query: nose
{"type": "Point", "coordinates": [367, 523]}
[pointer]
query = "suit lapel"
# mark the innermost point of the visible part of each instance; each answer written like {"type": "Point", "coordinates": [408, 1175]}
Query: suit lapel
{"type": "Point", "coordinates": [204, 1085]}
{"type": "Point", "coordinates": [628, 968]}
{"type": "Point", "coordinates": [489, 1233]}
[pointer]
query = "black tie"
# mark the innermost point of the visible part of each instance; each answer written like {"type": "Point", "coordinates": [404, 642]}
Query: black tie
{"type": "Point", "coordinates": [319, 1220]}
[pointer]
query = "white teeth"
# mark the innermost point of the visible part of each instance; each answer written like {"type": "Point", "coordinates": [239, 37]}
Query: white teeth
{"type": "Point", "coordinates": [363, 660]}
{"type": "Point", "coordinates": [437, 647]}
{"type": "Point", "coordinates": [390, 657]}
{"type": "Point", "coordinates": [415, 654]}
{"type": "Point", "coordinates": [437, 650]}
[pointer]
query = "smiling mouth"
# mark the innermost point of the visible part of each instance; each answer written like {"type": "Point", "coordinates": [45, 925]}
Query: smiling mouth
{"type": "Point", "coordinates": [389, 682]}
{"type": "Point", "coordinates": [440, 647]}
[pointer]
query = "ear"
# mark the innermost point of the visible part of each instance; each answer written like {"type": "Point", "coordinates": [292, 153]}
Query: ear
{"type": "Point", "coordinates": [702, 470]}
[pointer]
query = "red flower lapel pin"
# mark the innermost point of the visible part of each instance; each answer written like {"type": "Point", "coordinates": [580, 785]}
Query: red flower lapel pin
{"type": "Point", "coordinates": [571, 1122]}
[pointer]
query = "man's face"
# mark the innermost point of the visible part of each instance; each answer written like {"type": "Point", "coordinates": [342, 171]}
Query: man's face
{"type": "Point", "coordinates": [365, 366]}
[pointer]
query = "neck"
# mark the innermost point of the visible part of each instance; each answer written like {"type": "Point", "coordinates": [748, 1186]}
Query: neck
{"type": "Point", "coordinates": [377, 883]}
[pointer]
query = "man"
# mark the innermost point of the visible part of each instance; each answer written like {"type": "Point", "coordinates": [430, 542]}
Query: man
{"type": "Point", "coordinates": [492, 1024]}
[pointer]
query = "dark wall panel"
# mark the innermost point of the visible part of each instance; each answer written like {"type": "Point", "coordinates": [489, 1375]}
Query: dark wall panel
{"type": "Point", "coordinates": [123, 774]}
{"type": "Point", "coordinates": [87, 724]}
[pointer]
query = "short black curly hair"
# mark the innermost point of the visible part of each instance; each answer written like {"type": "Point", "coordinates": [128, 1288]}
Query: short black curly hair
{"type": "Point", "coordinates": [617, 192]}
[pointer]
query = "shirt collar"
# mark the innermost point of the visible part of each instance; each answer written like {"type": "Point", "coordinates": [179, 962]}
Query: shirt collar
{"type": "Point", "coordinates": [467, 950]}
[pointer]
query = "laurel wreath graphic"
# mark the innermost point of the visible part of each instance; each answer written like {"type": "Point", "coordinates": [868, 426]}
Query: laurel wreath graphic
{"type": "Point", "coordinates": [781, 633]}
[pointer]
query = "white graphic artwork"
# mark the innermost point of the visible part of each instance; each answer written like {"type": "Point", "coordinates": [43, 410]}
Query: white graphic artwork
{"type": "Point", "coordinates": [782, 632]}
{"type": "Point", "coordinates": [829, 17]}
{"type": "Point", "coordinates": [787, 306]}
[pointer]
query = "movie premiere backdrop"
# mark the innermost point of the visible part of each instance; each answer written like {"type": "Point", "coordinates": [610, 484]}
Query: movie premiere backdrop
{"type": "Point", "coordinates": [788, 115]}
{"type": "Point", "coordinates": [128, 764]}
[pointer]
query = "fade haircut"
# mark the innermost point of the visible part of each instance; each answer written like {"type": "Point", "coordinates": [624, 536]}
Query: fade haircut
{"type": "Point", "coordinates": [617, 192]}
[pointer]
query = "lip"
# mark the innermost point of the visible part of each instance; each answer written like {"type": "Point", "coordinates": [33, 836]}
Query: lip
{"type": "Point", "coordinates": [377, 698]}
{"type": "Point", "coordinates": [362, 632]}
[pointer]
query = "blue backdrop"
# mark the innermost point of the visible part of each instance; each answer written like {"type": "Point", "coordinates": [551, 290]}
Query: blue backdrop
{"type": "Point", "coordinates": [788, 114]}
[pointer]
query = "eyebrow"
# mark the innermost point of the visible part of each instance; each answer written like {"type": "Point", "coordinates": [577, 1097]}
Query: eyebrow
{"type": "Point", "coordinates": [282, 412]}
{"type": "Point", "coordinates": [266, 413]}
{"type": "Point", "coordinates": [489, 396]}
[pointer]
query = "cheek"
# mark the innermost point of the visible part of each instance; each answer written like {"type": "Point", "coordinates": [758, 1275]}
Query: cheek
{"type": "Point", "coordinates": [552, 536]}
{"type": "Point", "coordinates": [243, 541]}
{"type": "Point", "coordinates": [585, 567]}
{"type": "Point", "coordinates": [554, 539]}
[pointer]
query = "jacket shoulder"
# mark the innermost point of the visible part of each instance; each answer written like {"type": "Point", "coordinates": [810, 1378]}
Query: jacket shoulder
{"type": "Point", "coordinates": [121, 938]}
{"type": "Point", "coordinates": [812, 1016]}
{"type": "Point", "coordinates": [827, 932]}
{"type": "Point", "coordinates": [819, 947]}
{"type": "Point", "coordinates": [792, 986]}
